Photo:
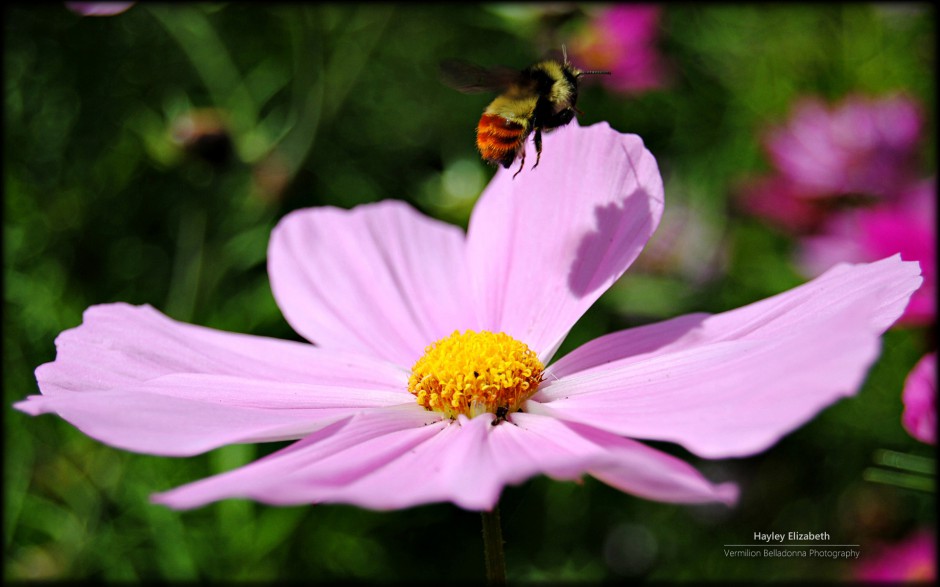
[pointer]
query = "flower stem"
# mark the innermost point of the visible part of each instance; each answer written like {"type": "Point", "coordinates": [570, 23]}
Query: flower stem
{"type": "Point", "coordinates": [493, 548]}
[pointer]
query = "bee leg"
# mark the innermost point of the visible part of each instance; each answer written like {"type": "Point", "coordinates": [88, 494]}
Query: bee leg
{"type": "Point", "coordinates": [521, 164]}
{"type": "Point", "coordinates": [538, 147]}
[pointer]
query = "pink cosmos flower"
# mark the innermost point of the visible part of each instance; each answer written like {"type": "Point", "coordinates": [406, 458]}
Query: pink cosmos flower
{"type": "Point", "coordinates": [390, 297]}
{"type": "Point", "coordinates": [914, 559]}
{"type": "Point", "coordinates": [920, 400]}
{"type": "Point", "coordinates": [98, 8]}
{"type": "Point", "coordinates": [622, 39]}
{"type": "Point", "coordinates": [860, 146]}
{"type": "Point", "coordinates": [904, 225]}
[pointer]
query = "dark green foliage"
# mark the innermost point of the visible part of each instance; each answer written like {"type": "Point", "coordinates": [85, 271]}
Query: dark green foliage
{"type": "Point", "coordinates": [101, 205]}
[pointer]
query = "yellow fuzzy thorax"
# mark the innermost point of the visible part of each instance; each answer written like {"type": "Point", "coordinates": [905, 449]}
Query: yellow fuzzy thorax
{"type": "Point", "coordinates": [562, 90]}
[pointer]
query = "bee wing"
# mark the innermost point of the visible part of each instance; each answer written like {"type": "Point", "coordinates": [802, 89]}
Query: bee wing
{"type": "Point", "coordinates": [471, 78]}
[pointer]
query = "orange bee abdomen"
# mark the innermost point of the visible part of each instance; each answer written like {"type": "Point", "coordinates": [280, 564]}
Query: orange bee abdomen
{"type": "Point", "coordinates": [499, 139]}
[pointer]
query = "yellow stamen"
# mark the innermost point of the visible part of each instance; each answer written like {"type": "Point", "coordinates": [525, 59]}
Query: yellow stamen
{"type": "Point", "coordinates": [471, 373]}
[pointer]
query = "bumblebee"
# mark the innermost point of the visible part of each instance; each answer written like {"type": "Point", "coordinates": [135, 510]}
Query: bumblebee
{"type": "Point", "coordinates": [538, 98]}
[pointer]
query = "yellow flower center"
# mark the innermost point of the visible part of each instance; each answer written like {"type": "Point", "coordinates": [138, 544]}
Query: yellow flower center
{"type": "Point", "coordinates": [471, 373]}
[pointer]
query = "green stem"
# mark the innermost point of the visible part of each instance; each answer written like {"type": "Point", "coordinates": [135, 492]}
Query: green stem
{"type": "Point", "coordinates": [493, 548]}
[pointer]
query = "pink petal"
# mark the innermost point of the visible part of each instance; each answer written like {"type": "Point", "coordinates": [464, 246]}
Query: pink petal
{"type": "Point", "coordinates": [133, 378]}
{"type": "Point", "coordinates": [379, 279]}
{"type": "Point", "coordinates": [400, 458]}
{"type": "Point", "coordinates": [543, 246]}
{"type": "Point", "coordinates": [920, 400]}
{"type": "Point", "coordinates": [734, 383]}
{"type": "Point", "coordinates": [887, 284]}
{"type": "Point", "coordinates": [391, 459]}
{"type": "Point", "coordinates": [98, 8]}
{"type": "Point", "coordinates": [329, 458]}
{"type": "Point", "coordinates": [456, 465]}
{"type": "Point", "coordinates": [567, 450]}
{"type": "Point", "coordinates": [635, 343]}
{"type": "Point", "coordinates": [652, 474]}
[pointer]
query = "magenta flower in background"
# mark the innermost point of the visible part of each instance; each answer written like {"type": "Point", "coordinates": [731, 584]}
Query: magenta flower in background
{"type": "Point", "coordinates": [912, 560]}
{"type": "Point", "coordinates": [622, 39]}
{"type": "Point", "coordinates": [920, 400]}
{"type": "Point", "coordinates": [904, 225]}
{"type": "Point", "coordinates": [404, 309]}
{"type": "Point", "coordinates": [779, 202]}
{"type": "Point", "coordinates": [98, 8]}
{"type": "Point", "coordinates": [859, 146]}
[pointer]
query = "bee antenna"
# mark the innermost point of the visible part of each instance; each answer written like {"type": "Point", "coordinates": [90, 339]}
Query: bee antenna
{"type": "Point", "coordinates": [564, 54]}
{"type": "Point", "coordinates": [593, 72]}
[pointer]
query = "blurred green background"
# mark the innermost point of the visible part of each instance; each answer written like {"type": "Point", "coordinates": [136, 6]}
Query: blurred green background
{"type": "Point", "coordinates": [147, 156]}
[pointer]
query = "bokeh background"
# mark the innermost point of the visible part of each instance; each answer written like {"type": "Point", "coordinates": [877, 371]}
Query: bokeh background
{"type": "Point", "coordinates": [148, 154]}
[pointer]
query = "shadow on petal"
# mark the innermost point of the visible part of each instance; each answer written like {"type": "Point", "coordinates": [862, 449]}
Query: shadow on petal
{"type": "Point", "coordinates": [619, 231]}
